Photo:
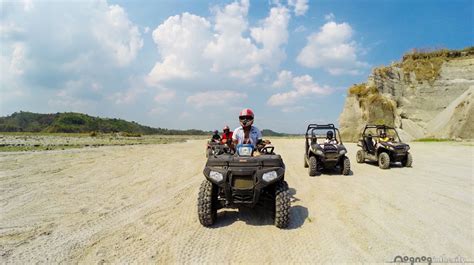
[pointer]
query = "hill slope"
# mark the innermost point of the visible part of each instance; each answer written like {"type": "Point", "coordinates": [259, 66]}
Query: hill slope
{"type": "Point", "coordinates": [71, 122]}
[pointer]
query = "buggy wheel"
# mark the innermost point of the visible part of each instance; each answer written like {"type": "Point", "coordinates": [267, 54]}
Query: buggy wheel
{"type": "Point", "coordinates": [305, 162]}
{"type": "Point", "coordinates": [384, 160]}
{"type": "Point", "coordinates": [360, 157]}
{"type": "Point", "coordinates": [346, 166]}
{"type": "Point", "coordinates": [207, 203]}
{"type": "Point", "coordinates": [407, 161]}
{"type": "Point", "coordinates": [282, 205]}
{"type": "Point", "coordinates": [313, 166]}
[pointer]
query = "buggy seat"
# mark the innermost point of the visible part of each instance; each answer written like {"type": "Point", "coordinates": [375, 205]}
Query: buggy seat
{"type": "Point", "coordinates": [369, 143]}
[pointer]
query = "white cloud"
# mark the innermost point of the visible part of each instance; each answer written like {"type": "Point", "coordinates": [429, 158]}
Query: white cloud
{"type": "Point", "coordinates": [180, 41]}
{"type": "Point", "coordinates": [229, 51]}
{"type": "Point", "coordinates": [118, 36]}
{"type": "Point", "coordinates": [300, 6]}
{"type": "Point", "coordinates": [272, 34]}
{"type": "Point", "coordinates": [27, 5]}
{"type": "Point", "coordinates": [165, 96]}
{"type": "Point", "coordinates": [215, 98]}
{"type": "Point", "coordinates": [158, 111]}
{"type": "Point", "coordinates": [18, 60]}
{"type": "Point", "coordinates": [283, 79]}
{"type": "Point", "coordinates": [333, 49]}
{"type": "Point", "coordinates": [194, 47]}
{"type": "Point", "coordinates": [329, 17]}
{"type": "Point", "coordinates": [67, 97]}
{"type": "Point", "coordinates": [302, 86]}
{"type": "Point", "coordinates": [300, 28]}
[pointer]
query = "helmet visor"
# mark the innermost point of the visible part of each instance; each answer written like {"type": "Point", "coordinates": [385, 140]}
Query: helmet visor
{"type": "Point", "coordinates": [245, 119]}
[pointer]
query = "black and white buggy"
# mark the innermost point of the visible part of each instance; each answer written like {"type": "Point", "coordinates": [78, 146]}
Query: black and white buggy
{"type": "Point", "coordinates": [322, 153]}
{"type": "Point", "coordinates": [383, 151]}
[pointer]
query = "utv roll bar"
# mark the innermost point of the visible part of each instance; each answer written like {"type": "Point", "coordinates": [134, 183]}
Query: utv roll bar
{"type": "Point", "coordinates": [382, 127]}
{"type": "Point", "coordinates": [314, 126]}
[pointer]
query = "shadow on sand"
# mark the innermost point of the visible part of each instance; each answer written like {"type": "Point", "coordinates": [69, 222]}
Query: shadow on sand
{"type": "Point", "coordinates": [261, 215]}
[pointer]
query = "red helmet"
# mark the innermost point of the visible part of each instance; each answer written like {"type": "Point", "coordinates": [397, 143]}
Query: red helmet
{"type": "Point", "coordinates": [246, 117]}
{"type": "Point", "coordinates": [246, 112]}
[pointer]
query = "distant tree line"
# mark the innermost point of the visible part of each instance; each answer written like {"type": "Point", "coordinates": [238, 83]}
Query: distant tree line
{"type": "Point", "coordinates": [71, 122]}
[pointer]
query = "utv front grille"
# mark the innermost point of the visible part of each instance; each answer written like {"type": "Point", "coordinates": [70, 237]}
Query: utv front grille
{"type": "Point", "coordinates": [242, 196]}
{"type": "Point", "coordinates": [243, 182]}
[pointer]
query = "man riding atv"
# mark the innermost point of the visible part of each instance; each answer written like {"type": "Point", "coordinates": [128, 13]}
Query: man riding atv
{"type": "Point", "coordinates": [253, 174]}
{"type": "Point", "coordinates": [247, 133]}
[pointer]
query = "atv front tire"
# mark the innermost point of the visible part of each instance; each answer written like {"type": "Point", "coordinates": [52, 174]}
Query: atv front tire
{"type": "Point", "coordinates": [207, 203]}
{"type": "Point", "coordinates": [313, 166]}
{"type": "Point", "coordinates": [360, 157]}
{"type": "Point", "coordinates": [407, 161]}
{"type": "Point", "coordinates": [384, 160]}
{"type": "Point", "coordinates": [282, 205]}
{"type": "Point", "coordinates": [346, 166]}
{"type": "Point", "coordinates": [305, 162]}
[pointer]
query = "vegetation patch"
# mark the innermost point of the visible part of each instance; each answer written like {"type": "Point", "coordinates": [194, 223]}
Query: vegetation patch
{"type": "Point", "coordinates": [376, 107]}
{"type": "Point", "coordinates": [434, 140]}
{"type": "Point", "coordinates": [426, 64]}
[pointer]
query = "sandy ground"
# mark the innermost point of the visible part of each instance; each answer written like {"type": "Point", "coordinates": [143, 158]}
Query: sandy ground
{"type": "Point", "coordinates": [137, 204]}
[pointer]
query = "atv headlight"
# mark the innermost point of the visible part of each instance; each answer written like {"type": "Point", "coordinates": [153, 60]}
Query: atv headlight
{"type": "Point", "coordinates": [319, 152]}
{"type": "Point", "coordinates": [216, 176]}
{"type": "Point", "coordinates": [342, 152]}
{"type": "Point", "coordinates": [270, 176]}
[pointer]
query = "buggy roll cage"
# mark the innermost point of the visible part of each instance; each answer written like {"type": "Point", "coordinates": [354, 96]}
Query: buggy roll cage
{"type": "Point", "coordinates": [310, 132]}
{"type": "Point", "coordinates": [379, 127]}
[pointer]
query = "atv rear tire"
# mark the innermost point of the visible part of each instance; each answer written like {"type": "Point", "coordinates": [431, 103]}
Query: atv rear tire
{"type": "Point", "coordinates": [384, 160]}
{"type": "Point", "coordinates": [313, 166]}
{"type": "Point", "coordinates": [360, 157]}
{"type": "Point", "coordinates": [407, 161]}
{"type": "Point", "coordinates": [282, 205]}
{"type": "Point", "coordinates": [305, 162]}
{"type": "Point", "coordinates": [346, 166]}
{"type": "Point", "coordinates": [207, 203]}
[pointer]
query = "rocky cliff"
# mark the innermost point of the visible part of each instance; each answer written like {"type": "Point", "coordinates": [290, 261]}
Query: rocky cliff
{"type": "Point", "coordinates": [425, 95]}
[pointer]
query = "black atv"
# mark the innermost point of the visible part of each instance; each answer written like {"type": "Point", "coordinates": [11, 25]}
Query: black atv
{"type": "Point", "coordinates": [323, 152]}
{"type": "Point", "coordinates": [216, 148]}
{"type": "Point", "coordinates": [381, 143]}
{"type": "Point", "coordinates": [244, 179]}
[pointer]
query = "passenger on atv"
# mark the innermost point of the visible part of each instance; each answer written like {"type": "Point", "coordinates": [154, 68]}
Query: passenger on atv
{"type": "Point", "coordinates": [330, 138]}
{"type": "Point", "coordinates": [216, 138]}
{"type": "Point", "coordinates": [226, 137]}
{"type": "Point", "coordinates": [383, 137]}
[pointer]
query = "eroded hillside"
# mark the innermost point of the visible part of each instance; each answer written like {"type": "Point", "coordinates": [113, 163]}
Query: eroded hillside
{"type": "Point", "coordinates": [426, 94]}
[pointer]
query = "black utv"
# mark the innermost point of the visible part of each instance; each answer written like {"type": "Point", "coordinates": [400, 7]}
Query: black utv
{"type": "Point", "coordinates": [324, 150]}
{"type": "Point", "coordinates": [381, 143]}
{"type": "Point", "coordinates": [244, 178]}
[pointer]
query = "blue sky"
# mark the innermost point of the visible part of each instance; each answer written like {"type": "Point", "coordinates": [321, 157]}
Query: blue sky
{"type": "Point", "coordinates": [195, 64]}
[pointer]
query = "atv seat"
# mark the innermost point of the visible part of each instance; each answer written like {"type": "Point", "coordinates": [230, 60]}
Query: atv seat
{"type": "Point", "coordinates": [369, 144]}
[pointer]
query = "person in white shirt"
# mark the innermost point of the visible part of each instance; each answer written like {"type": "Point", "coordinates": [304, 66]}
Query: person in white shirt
{"type": "Point", "coordinates": [247, 133]}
